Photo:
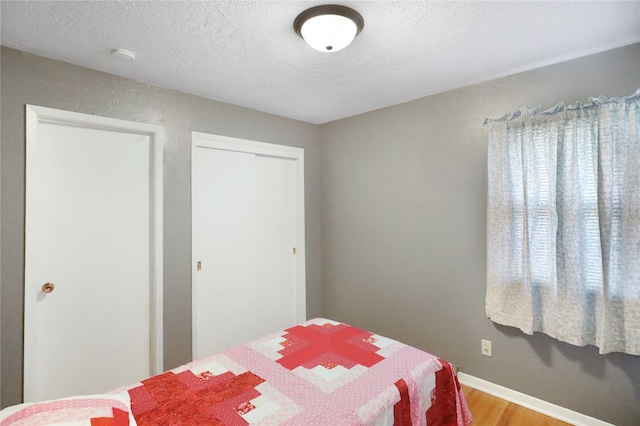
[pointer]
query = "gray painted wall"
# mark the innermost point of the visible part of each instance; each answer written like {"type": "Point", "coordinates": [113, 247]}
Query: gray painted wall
{"type": "Point", "coordinates": [404, 234]}
{"type": "Point", "coordinates": [29, 79]}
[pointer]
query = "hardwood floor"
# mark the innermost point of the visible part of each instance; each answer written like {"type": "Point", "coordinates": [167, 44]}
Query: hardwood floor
{"type": "Point", "coordinates": [488, 410]}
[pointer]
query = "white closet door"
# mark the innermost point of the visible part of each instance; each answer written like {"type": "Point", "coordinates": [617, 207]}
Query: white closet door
{"type": "Point", "coordinates": [273, 256]}
{"type": "Point", "coordinates": [89, 231]}
{"type": "Point", "coordinates": [246, 246]}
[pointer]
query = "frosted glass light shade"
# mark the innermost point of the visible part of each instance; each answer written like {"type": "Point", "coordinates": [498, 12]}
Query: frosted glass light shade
{"type": "Point", "coordinates": [329, 33]}
{"type": "Point", "coordinates": [328, 28]}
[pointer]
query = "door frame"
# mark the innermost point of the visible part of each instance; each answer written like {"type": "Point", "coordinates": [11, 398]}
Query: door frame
{"type": "Point", "coordinates": [206, 140]}
{"type": "Point", "coordinates": [36, 115]}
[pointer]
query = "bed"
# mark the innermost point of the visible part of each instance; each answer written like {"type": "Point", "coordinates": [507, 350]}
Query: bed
{"type": "Point", "coordinates": [321, 372]}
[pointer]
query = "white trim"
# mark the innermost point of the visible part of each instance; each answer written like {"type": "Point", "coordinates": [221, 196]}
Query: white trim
{"type": "Point", "coordinates": [205, 140]}
{"type": "Point", "coordinates": [30, 256]}
{"type": "Point", "coordinates": [36, 115]}
{"type": "Point", "coordinates": [530, 402]}
{"type": "Point", "coordinates": [157, 178]}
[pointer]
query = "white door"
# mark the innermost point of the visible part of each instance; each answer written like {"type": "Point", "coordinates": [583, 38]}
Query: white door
{"type": "Point", "coordinates": [93, 268]}
{"type": "Point", "coordinates": [248, 241]}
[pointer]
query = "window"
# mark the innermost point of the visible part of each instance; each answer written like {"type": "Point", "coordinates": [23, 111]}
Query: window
{"type": "Point", "coordinates": [563, 223]}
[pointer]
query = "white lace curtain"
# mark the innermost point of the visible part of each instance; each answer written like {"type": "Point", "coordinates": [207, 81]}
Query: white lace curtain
{"type": "Point", "coordinates": [563, 222]}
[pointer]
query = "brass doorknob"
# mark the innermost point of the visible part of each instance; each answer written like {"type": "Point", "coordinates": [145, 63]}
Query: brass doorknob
{"type": "Point", "coordinates": [48, 287]}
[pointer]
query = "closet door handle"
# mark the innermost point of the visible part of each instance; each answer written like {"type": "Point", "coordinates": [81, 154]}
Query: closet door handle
{"type": "Point", "coordinates": [48, 287]}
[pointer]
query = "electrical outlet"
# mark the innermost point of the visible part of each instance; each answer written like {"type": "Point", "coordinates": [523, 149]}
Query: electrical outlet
{"type": "Point", "coordinates": [486, 347]}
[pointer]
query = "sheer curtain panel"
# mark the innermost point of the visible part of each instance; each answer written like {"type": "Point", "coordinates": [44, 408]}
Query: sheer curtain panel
{"type": "Point", "coordinates": [563, 222]}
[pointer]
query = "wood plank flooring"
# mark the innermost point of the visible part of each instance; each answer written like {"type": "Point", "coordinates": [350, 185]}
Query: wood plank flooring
{"type": "Point", "coordinates": [488, 410]}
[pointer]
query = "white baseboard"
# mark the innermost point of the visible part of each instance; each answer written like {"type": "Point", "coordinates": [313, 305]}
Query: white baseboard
{"type": "Point", "coordinates": [535, 404]}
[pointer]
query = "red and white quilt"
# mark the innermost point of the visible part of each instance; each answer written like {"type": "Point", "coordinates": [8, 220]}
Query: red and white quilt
{"type": "Point", "coordinates": [318, 373]}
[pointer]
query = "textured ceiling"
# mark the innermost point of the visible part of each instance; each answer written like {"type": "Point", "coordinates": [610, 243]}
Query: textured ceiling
{"type": "Point", "coordinates": [247, 53]}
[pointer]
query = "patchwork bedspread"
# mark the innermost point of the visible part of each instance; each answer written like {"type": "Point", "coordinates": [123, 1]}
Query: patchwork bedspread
{"type": "Point", "coordinates": [318, 373]}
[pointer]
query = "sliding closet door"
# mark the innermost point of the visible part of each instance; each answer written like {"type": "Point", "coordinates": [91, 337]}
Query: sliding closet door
{"type": "Point", "coordinates": [93, 272]}
{"type": "Point", "coordinates": [248, 241]}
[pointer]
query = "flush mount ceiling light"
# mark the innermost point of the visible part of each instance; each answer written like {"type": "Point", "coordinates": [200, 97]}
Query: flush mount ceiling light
{"type": "Point", "coordinates": [328, 28]}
